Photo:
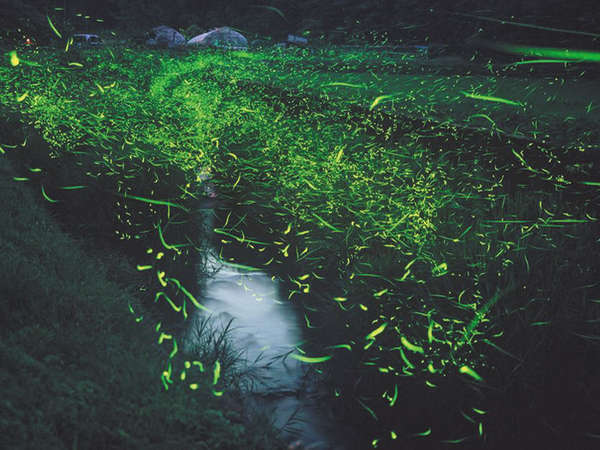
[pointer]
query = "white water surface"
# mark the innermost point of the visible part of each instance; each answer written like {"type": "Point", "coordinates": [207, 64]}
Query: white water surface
{"type": "Point", "coordinates": [265, 328]}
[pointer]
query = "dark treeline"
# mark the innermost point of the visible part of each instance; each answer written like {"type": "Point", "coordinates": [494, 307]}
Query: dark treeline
{"type": "Point", "coordinates": [440, 21]}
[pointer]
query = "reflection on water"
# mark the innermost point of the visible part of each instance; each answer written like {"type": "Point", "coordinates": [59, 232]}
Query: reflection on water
{"type": "Point", "coordinates": [265, 328]}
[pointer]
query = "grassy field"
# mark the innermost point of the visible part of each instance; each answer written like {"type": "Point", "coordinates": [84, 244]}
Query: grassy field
{"type": "Point", "coordinates": [439, 230]}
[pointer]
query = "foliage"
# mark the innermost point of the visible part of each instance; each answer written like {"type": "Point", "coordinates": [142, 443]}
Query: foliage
{"type": "Point", "coordinates": [339, 21]}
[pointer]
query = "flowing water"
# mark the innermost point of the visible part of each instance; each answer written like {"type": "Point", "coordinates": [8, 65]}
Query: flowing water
{"type": "Point", "coordinates": [265, 328]}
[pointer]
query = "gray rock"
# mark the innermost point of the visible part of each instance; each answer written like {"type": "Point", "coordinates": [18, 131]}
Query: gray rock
{"type": "Point", "coordinates": [223, 37]}
{"type": "Point", "coordinates": [165, 37]}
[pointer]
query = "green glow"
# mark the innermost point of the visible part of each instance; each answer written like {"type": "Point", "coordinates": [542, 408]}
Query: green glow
{"type": "Point", "coordinates": [72, 188]}
{"type": "Point", "coordinates": [14, 59]}
{"type": "Point", "coordinates": [395, 396]}
{"type": "Point", "coordinates": [381, 98]}
{"type": "Point", "coordinates": [327, 224]}
{"type": "Point", "coordinates": [154, 202]}
{"type": "Point", "coordinates": [344, 346]}
{"type": "Point", "coordinates": [339, 83]}
{"type": "Point", "coordinates": [174, 351]}
{"type": "Point", "coordinates": [410, 346]}
{"type": "Point", "coordinates": [540, 61]}
{"type": "Point", "coordinates": [53, 27]}
{"type": "Point", "coordinates": [377, 331]}
{"type": "Point", "coordinates": [310, 359]}
{"type": "Point", "coordinates": [216, 372]}
{"type": "Point", "coordinates": [188, 294]}
{"type": "Point", "coordinates": [47, 197]}
{"type": "Point", "coordinates": [425, 433]}
{"type": "Point", "coordinates": [489, 98]}
{"type": "Point", "coordinates": [164, 336]}
{"type": "Point", "coordinates": [173, 305]}
{"type": "Point", "coordinates": [550, 52]}
{"type": "Point", "coordinates": [470, 372]}
{"type": "Point", "coordinates": [369, 410]}
{"type": "Point", "coordinates": [527, 25]}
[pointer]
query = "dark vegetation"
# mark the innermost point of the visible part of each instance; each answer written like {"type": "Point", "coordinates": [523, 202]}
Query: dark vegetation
{"type": "Point", "coordinates": [340, 21]}
{"type": "Point", "coordinates": [77, 371]}
{"type": "Point", "coordinates": [448, 267]}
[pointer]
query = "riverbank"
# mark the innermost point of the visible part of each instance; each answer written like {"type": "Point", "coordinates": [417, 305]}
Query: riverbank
{"type": "Point", "coordinates": [80, 358]}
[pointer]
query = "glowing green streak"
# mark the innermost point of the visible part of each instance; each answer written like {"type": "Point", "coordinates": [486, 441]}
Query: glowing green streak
{"type": "Point", "coordinates": [309, 359]}
{"type": "Point", "coordinates": [327, 224]}
{"type": "Point", "coordinates": [482, 312]}
{"type": "Point", "coordinates": [164, 382]}
{"type": "Point", "coordinates": [427, 432]}
{"type": "Point", "coordinates": [164, 336]}
{"type": "Point", "coordinates": [470, 372]}
{"type": "Point", "coordinates": [346, 346]}
{"type": "Point", "coordinates": [70, 188]}
{"type": "Point", "coordinates": [46, 196]}
{"type": "Point", "coordinates": [411, 347]}
{"type": "Point", "coordinates": [395, 397]}
{"type": "Point", "coordinates": [550, 52]}
{"type": "Point", "coordinates": [174, 351]}
{"type": "Point", "coordinates": [165, 245]}
{"type": "Point", "coordinates": [540, 61]}
{"type": "Point", "coordinates": [237, 238]}
{"type": "Point", "coordinates": [380, 99]}
{"type": "Point", "coordinates": [271, 8]}
{"type": "Point", "coordinates": [483, 116]}
{"type": "Point", "coordinates": [376, 331]}
{"type": "Point", "coordinates": [53, 27]}
{"type": "Point", "coordinates": [338, 83]}
{"type": "Point", "coordinates": [188, 295]}
{"type": "Point", "coordinates": [369, 410]}
{"type": "Point", "coordinates": [153, 202]}
{"type": "Point", "coordinates": [491, 99]}
{"type": "Point", "coordinates": [166, 376]}
{"type": "Point", "coordinates": [173, 305]}
{"type": "Point", "coordinates": [500, 349]}
{"type": "Point", "coordinates": [308, 325]}
{"type": "Point", "coordinates": [14, 59]}
{"type": "Point", "coordinates": [456, 441]}
{"type": "Point", "coordinates": [239, 266]}
{"type": "Point", "coordinates": [526, 25]}
{"type": "Point", "coordinates": [404, 358]}
{"type": "Point", "coordinates": [216, 372]}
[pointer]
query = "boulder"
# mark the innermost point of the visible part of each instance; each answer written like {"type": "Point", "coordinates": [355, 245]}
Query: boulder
{"type": "Point", "coordinates": [223, 37]}
{"type": "Point", "coordinates": [165, 37]}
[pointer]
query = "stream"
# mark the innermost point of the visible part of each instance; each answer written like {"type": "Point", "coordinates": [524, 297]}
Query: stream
{"type": "Point", "coordinates": [264, 328]}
